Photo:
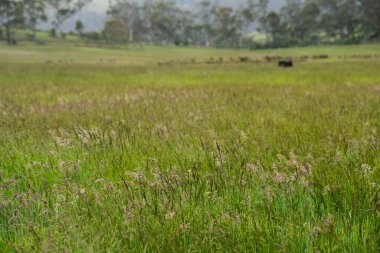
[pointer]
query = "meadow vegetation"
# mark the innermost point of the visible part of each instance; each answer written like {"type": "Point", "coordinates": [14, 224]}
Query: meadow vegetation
{"type": "Point", "coordinates": [104, 150]}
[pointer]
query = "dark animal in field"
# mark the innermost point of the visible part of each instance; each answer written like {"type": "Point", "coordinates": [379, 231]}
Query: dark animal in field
{"type": "Point", "coordinates": [285, 64]}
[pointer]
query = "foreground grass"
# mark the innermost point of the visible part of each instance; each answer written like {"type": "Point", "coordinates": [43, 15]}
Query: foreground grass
{"type": "Point", "coordinates": [231, 157]}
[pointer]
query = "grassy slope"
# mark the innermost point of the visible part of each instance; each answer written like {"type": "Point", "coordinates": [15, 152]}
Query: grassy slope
{"type": "Point", "coordinates": [103, 150]}
{"type": "Point", "coordinates": [143, 55]}
{"type": "Point", "coordinates": [22, 35]}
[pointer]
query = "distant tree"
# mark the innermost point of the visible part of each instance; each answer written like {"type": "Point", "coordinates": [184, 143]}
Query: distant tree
{"type": "Point", "coordinates": [339, 19]}
{"type": "Point", "coordinates": [11, 15]}
{"type": "Point", "coordinates": [163, 19]}
{"type": "Point", "coordinates": [79, 27]}
{"type": "Point", "coordinates": [205, 27]}
{"type": "Point", "coordinates": [184, 27]}
{"type": "Point", "coordinates": [370, 10]}
{"type": "Point", "coordinates": [247, 14]}
{"type": "Point", "coordinates": [273, 25]}
{"type": "Point", "coordinates": [64, 9]}
{"type": "Point", "coordinates": [34, 13]}
{"type": "Point", "coordinates": [290, 15]}
{"type": "Point", "coordinates": [300, 20]}
{"type": "Point", "coordinates": [252, 11]}
{"type": "Point", "coordinates": [132, 14]}
{"type": "Point", "coordinates": [115, 31]}
{"type": "Point", "coordinates": [226, 26]}
{"type": "Point", "coordinates": [307, 26]}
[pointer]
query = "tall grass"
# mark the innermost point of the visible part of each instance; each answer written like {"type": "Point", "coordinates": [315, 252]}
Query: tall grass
{"type": "Point", "coordinates": [191, 158]}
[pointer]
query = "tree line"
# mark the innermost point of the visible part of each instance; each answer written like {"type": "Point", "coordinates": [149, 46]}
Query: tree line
{"type": "Point", "coordinates": [163, 22]}
{"type": "Point", "coordinates": [323, 21]}
{"type": "Point", "coordinates": [299, 22]}
{"type": "Point", "coordinates": [29, 13]}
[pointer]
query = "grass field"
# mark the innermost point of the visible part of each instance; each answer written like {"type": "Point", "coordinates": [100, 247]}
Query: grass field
{"type": "Point", "coordinates": [104, 150]}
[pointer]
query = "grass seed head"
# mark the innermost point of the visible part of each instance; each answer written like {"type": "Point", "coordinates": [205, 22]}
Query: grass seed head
{"type": "Point", "coordinates": [169, 215]}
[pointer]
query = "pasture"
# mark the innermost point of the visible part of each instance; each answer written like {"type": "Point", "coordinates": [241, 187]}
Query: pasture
{"type": "Point", "coordinates": [149, 149]}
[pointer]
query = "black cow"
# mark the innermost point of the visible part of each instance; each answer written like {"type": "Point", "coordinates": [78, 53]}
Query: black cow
{"type": "Point", "coordinates": [285, 64]}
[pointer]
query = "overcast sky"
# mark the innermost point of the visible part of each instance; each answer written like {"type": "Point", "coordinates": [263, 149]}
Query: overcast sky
{"type": "Point", "coordinates": [98, 6]}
